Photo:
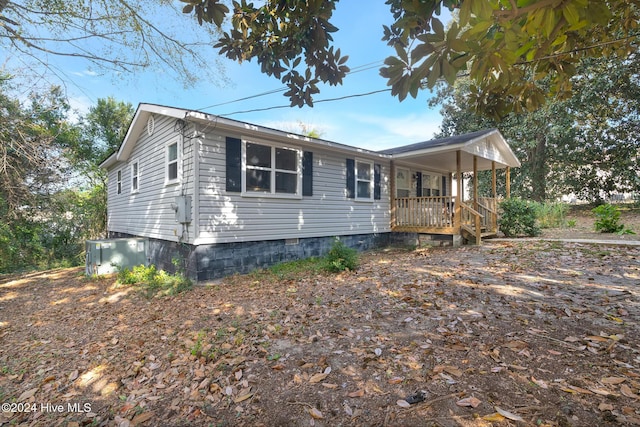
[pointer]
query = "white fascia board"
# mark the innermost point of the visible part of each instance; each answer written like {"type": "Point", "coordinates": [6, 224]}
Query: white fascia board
{"type": "Point", "coordinates": [139, 124]}
{"type": "Point", "coordinates": [111, 160]}
{"type": "Point", "coordinates": [260, 131]}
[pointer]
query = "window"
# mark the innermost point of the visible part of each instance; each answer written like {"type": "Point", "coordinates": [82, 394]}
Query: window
{"type": "Point", "coordinates": [172, 162]}
{"type": "Point", "coordinates": [431, 184]}
{"type": "Point", "coordinates": [119, 182]}
{"type": "Point", "coordinates": [364, 180]}
{"type": "Point", "coordinates": [403, 183]}
{"type": "Point", "coordinates": [135, 176]}
{"type": "Point", "coordinates": [271, 170]}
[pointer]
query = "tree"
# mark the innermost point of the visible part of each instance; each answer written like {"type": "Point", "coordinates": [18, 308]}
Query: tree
{"type": "Point", "coordinates": [587, 145]}
{"type": "Point", "coordinates": [505, 46]}
{"type": "Point", "coordinates": [99, 134]}
{"type": "Point", "coordinates": [121, 36]}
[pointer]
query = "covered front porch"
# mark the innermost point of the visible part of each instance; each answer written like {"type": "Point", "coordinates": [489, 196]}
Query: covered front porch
{"type": "Point", "coordinates": [438, 207]}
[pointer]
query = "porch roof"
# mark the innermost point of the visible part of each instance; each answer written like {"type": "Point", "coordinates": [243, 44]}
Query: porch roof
{"type": "Point", "coordinates": [440, 154]}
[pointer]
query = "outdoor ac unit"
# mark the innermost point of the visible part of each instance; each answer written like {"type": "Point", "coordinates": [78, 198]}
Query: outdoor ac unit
{"type": "Point", "coordinates": [109, 255]}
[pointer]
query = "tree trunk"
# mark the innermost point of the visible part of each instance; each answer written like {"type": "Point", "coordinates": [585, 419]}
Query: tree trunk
{"type": "Point", "coordinates": [539, 169]}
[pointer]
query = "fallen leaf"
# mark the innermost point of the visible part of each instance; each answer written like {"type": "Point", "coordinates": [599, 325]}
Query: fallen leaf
{"type": "Point", "coordinates": [508, 414]}
{"type": "Point", "coordinates": [613, 380]}
{"type": "Point", "coordinates": [330, 386]}
{"type": "Point", "coordinates": [395, 380]}
{"type": "Point", "coordinates": [243, 397]}
{"type": "Point", "coordinates": [496, 417]}
{"type": "Point", "coordinates": [605, 407]}
{"type": "Point", "coordinates": [27, 395]}
{"type": "Point", "coordinates": [358, 393]}
{"type": "Point", "coordinates": [238, 374]}
{"type": "Point", "coordinates": [539, 383]}
{"type": "Point", "coordinates": [596, 338]}
{"type": "Point", "coordinates": [469, 401]}
{"type": "Point", "coordinates": [315, 413]}
{"type": "Point", "coordinates": [316, 378]}
{"type": "Point", "coordinates": [403, 403]}
{"type": "Point", "coordinates": [141, 418]}
{"type": "Point", "coordinates": [579, 389]}
{"type": "Point", "coordinates": [624, 389]}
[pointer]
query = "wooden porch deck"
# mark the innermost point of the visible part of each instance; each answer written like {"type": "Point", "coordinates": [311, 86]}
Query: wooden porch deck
{"type": "Point", "coordinates": [472, 220]}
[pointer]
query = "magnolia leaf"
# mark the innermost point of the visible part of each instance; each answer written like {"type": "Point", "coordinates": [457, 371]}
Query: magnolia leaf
{"type": "Point", "coordinates": [316, 378]}
{"type": "Point", "coordinates": [539, 383]}
{"type": "Point", "coordinates": [495, 417]}
{"type": "Point", "coordinates": [626, 391]}
{"type": "Point", "coordinates": [242, 397]}
{"type": "Point", "coordinates": [315, 413]}
{"type": "Point", "coordinates": [358, 393]}
{"type": "Point", "coordinates": [469, 401]}
{"type": "Point", "coordinates": [508, 414]}
{"type": "Point", "coordinates": [613, 380]}
{"type": "Point", "coordinates": [403, 403]}
{"type": "Point", "coordinates": [27, 395]}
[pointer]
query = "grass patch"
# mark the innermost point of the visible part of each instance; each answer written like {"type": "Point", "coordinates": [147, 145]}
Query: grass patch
{"type": "Point", "coordinates": [153, 282]}
{"type": "Point", "coordinates": [551, 214]}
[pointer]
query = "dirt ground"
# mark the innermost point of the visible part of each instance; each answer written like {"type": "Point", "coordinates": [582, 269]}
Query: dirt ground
{"type": "Point", "coordinates": [504, 334]}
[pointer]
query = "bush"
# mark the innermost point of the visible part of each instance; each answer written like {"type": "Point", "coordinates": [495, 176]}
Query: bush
{"type": "Point", "coordinates": [518, 218]}
{"type": "Point", "coordinates": [341, 258]}
{"type": "Point", "coordinates": [607, 220]}
{"type": "Point", "coordinates": [152, 281]}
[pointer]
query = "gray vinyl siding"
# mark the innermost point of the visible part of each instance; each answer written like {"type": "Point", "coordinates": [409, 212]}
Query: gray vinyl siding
{"type": "Point", "coordinates": [230, 217]}
{"type": "Point", "coordinates": [149, 213]}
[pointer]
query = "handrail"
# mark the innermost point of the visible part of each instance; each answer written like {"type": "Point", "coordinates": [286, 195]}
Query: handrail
{"type": "Point", "coordinates": [478, 221]}
{"type": "Point", "coordinates": [471, 210]}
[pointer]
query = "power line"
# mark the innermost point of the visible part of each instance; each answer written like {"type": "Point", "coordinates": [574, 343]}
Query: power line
{"type": "Point", "coordinates": [315, 102]}
{"type": "Point", "coordinates": [358, 69]}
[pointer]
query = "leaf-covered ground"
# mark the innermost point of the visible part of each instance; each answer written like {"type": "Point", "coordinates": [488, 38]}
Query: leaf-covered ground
{"type": "Point", "coordinates": [509, 333]}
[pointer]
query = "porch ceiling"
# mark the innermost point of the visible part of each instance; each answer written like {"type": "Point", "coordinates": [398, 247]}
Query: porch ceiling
{"type": "Point", "coordinates": [440, 154]}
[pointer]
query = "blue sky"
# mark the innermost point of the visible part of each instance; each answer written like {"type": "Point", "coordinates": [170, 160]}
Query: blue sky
{"type": "Point", "coordinates": [374, 122]}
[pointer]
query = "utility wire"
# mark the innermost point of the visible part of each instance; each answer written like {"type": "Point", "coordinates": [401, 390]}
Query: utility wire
{"type": "Point", "coordinates": [315, 102]}
{"type": "Point", "coordinates": [355, 70]}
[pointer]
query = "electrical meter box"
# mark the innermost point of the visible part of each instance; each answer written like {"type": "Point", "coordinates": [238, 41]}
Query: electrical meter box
{"type": "Point", "coordinates": [109, 255]}
{"type": "Point", "coordinates": [182, 207]}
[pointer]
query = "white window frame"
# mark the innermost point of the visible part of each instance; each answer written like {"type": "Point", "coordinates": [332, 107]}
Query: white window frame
{"type": "Point", "coordinates": [135, 177]}
{"type": "Point", "coordinates": [407, 182]}
{"type": "Point", "coordinates": [119, 181]}
{"type": "Point", "coordinates": [272, 185]}
{"type": "Point", "coordinates": [178, 160]}
{"type": "Point", "coordinates": [431, 176]}
{"type": "Point", "coordinates": [371, 180]}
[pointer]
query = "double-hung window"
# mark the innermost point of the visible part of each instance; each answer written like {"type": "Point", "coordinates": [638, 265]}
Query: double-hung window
{"type": "Point", "coordinates": [364, 180]}
{"type": "Point", "coordinates": [403, 183]}
{"type": "Point", "coordinates": [172, 161]}
{"type": "Point", "coordinates": [271, 170]}
{"type": "Point", "coordinates": [135, 176]}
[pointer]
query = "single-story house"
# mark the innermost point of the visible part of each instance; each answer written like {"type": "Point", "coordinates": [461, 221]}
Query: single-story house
{"type": "Point", "coordinates": [228, 196]}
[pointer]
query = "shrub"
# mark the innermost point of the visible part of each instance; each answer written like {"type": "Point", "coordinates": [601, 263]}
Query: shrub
{"type": "Point", "coordinates": [607, 220]}
{"type": "Point", "coordinates": [152, 281]}
{"type": "Point", "coordinates": [341, 258]}
{"type": "Point", "coordinates": [518, 218]}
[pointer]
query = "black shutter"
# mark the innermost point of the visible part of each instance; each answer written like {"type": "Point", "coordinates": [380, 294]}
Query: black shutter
{"type": "Point", "coordinates": [307, 173]}
{"type": "Point", "coordinates": [444, 185]}
{"type": "Point", "coordinates": [418, 184]}
{"type": "Point", "coordinates": [376, 181]}
{"type": "Point", "coordinates": [351, 178]}
{"type": "Point", "coordinates": [234, 164]}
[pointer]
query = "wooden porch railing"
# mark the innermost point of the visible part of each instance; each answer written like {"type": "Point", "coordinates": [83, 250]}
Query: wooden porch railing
{"type": "Point", "coordinates": [471, 221]}
{"type": "Point", "coordinates": [437, 215]}
{"type": "Point", "coordinates": [434, 212]}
